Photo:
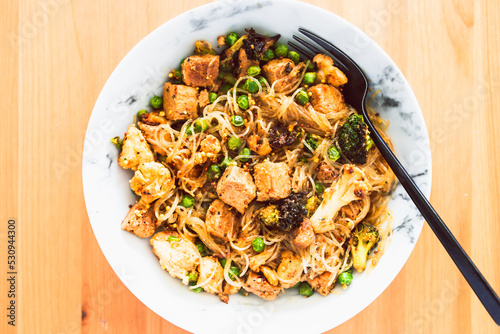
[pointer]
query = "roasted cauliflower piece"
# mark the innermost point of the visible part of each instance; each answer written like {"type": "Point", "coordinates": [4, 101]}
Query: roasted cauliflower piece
{"type": "Point", "coordinates": [210, 147]}
{"type": "Point", "coordinates": [140, 220]}
{"type": "Point", "coordinates": [327, 71]}
{"type": "Point", "coordinates": [135, 149]}
{"type": "Point", "coordinates": [289, 270]}
{"type": "Point", "coordinates": [210, 267]}
{"type": "Point", "coordinates": [151, 181]}
{"type": "Point", "coordinates": [177, 255]}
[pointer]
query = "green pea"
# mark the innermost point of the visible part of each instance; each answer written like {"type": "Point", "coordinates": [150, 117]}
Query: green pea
{"type": "Point", "coordinates": [193, 277]}
{"type": "Point", "coordinates": [223, 262]}
{"type": "Point", "coordinates": [212, 97]}
{"type": "Point", "coordinates": [231, 38]}
{"type": "Point", "coordinates": [173, 238]}
{"type": "Point", "coordinates": [245, 153]}
{"type": "Point", "coordinates": [238, 120]}
{"type": "Point", "coordinates": [225, 88]}
{"type": "Point", "coordinates": [309, 78]}
{"type": "Point", "coordinates": [251, 86]}
{"type": "Point", "coordinates": [198, 289]}
{"type": "Point", "coordinates": [262, 81]}
{"type": "Point", "coordinates": [294, 56]}
{"type": "Point", "coordinates": [258, 245]}
{"type": "Point", "coordinates": [243, 292]}
{"type": "Point", "coordinates": [227, 77]}
{"type": "Point", "coordinates": [253, 70]}
{"type": "Point", "coordinates": [141, 112]}
{"type": "Point", "coordinates": [243, 102]}
{"type": "Point", "coordinates": [214, 172]}
{"type": "Point", "coordinates": [234, 272]}
{"type": "Point", "coordinates": [200, 125]}
{"type": "Point", "coordinates": [201, 248]}
{"type": "Point", "coordinates": [281, 50]}
{"type": "Point", "coordinates": [333, 153]}
{"type": "Point", "coordinates": [302, 97]}
{"type": "Point", "coordinates": [345, 278]}
{"type": "Point", "coordinates": [319, 188]}
{"type": "Point", "coordinates": [227, 162]}
{"type": "Point", "coordinates": [369, 143]}
{"type": "Point", "coordinates": [234, 143]}
{"type": "Point", "coordinates": [187, 201]}
{"type": "Point", "coordinates": [305, 289]}
{"type": "Point", "coordinates": [268, 55]}
{"type": "Point", "coordinates": [156, 102]}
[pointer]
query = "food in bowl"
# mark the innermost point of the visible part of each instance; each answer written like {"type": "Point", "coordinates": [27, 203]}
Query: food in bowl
{"type": "Point", "coordinates": [254, 175]}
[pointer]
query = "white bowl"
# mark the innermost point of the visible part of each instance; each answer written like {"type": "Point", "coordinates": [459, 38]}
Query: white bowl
{"type": "Point", "coordinates": [107, 194]}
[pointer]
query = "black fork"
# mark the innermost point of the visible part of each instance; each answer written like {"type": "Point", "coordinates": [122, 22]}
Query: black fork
{"type": "Point", "coordinates": [355, 92]}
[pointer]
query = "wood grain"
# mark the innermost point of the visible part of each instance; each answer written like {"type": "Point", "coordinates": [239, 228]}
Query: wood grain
{"type": "Point", "coordinates": [57, 55]}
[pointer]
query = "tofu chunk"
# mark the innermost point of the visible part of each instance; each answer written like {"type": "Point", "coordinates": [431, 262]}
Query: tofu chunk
{"type": "Point", "coordinates": [290, 269]}
{"type": "Point", "coordinates": [326, 99]}
{"type": "Point", "coordinates": [304, 235]}
{"type": "Point", "coordinates": [284, 71]}
{"type": "Point", "coordinates": [180, 102]}
{"type": "Point", "coordinates": [236, 188]}
{"type": "Point", "coordinates": [320, 283]}
{"type": "Point", "coordinates": [203, 98]}
{"type": "Point", "coordinates": [221, 219]}
{"type": "Point", "coordinates": [177, 255]}
{"type": "Point", "coordinates": [273, 180]}
{"type": "Point", "coordinates": [200, 71]}
{"type": "Point", "coordinates": [140, 220]}
{"type": "Point", "coordinates": [256, 283]}
{"type": "Point", "coordinates": [135, 150]}
{"type": "Point", "coordinates": [328, 72]}
{"type": "Point", "coordinates": [210, 265]}
{"type": "Point", "coordinates": [151, 181]}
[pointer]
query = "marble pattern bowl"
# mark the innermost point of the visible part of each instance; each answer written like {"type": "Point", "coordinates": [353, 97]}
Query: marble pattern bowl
{"type": "Point", "coordinates": [107, 193]}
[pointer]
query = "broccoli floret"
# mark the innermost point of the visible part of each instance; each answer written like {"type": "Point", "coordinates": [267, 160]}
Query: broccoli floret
{"type": "Point", "coordinates": [363, 238]}
{"type": "Point", "coordinates": [282, 135]}
{"type": "Point", "coordinates": [313, 141]}
{"type": "Point", "coordinates": [286, 214]}
{"type": "Point", "coordinates": [312, 204]}
{"type": "Point", "coordinates": [350, 186]}
{"type": "Point", "coordinates": [353, 136]}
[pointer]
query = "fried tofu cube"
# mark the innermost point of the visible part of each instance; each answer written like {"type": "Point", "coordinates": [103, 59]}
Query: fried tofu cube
{"type": "Point", "coordinates": [328, 72]}
{"type": "Point", "coordinates": [151, 181]}
{"type": "Point", "coordinates": [289, 269]}
{"type": "Point", "coordinates": [221, 219]}
{"type": "Point", "coordinates": [304, 235]}
{"type": "Point", "coordinates": [135, 149]}
{"type": "Point", "coordinates": [326, 99]}
{"type": "Point", "coordinates": [236, 188]}
{"type": "Point", "coordinates": [180, 102]}
{"type": "Point", "coordinates": [283, 72]}
{"type": "Point", "coordinates": [273, 180]}
{"type": "Point", "coordinates": [321, 283]}
{"type": "Point", "coordinates": [200, 71]}
{"type": "Point", "coordinates": [140, 220]}
{"type": "Point", "coordinates": [256, 283]}
{"type": "Point", "coordinates": [177, 255]}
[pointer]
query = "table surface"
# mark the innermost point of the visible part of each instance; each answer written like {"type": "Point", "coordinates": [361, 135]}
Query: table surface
{"type": "Point", "coordinates": [56, 57]}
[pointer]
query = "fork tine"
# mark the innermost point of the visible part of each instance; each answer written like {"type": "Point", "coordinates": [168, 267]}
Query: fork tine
{"type": "Point", "coordinates": [305, 52]}
{"type": "Point", "coordinates": [332, 49]}
{"type": "Point", "coordinates": [308, 45]}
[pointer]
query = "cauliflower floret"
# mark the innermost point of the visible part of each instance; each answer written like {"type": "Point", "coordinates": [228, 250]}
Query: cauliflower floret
{"type": "Point", "coordinates": [208, 265]}
{"type": "Point", "coordinates": [177, 255]}
{"type": "Point", "coordinates": [351, 186]}
{"type": "Point", "coordinates": [328, 72]}
{"type": "Point", "coordinates": [135, 149]}
{"type": "Point", "coordinates": [140, 220]}
{"type": "Point", "coordinates": [289, 269]}
{"type": "Point", "coordinates": [151, 181]}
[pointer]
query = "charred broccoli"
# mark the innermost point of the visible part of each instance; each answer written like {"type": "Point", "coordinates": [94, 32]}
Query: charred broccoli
{"type": "Point", "coordinates": [282, 135]}
{"type": "Point", "coordinates": [313, 141]}
{"type": "Point", "coordinates": [256, 44]}
{"type": "Point", "coordinates": [286, 214]}
{"type": "Point", "coordinates": [353, 136]}
{"type": "Point", "coordinates": [363, 238]}
{"type": "Point", "coordinates": [350, 186]}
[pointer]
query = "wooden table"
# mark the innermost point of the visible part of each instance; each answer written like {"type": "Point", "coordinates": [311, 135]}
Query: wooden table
{"type": "Point", "coordinates": [56, 56]}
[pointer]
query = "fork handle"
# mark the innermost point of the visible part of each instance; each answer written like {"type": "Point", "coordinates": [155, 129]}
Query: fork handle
{"type": "Point", "coordinates": [476, 280]}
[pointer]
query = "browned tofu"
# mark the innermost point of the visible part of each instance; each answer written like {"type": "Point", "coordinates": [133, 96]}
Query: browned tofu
{"type": "Point", "coordinates": [284, 71]}
{"type": "Point", "coordinates": [304, 235]}
{"type": "Point", "coordinates": [320, 283]}
{"type": "Point", "coordinates": [328, 72]}
{"type": "Point", "coordinates": [244, 63]}
{"type": "Point", "coordinates": [221, 219]}
{"type": "Point", "coordinates": [256, 283]}
{"type": "Point", "coordinates": [326, 99]}
{"type": "Point", "coordinates": [180, 102]}
{"type": "Point", "coordinates": [236, 188]}
{"type": "Point", "coordinates": [290, 269]}
{"type": "Point", "coordinates": [200, 71]}
{"type": "Point", "coordinates": [135, 150]}
{"type": "Point", "coordinates": [273, 180]}
{"type": "Point", "coordinates": [203, 99]}
{"type": "Point", "coordinates": [140, 220]}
